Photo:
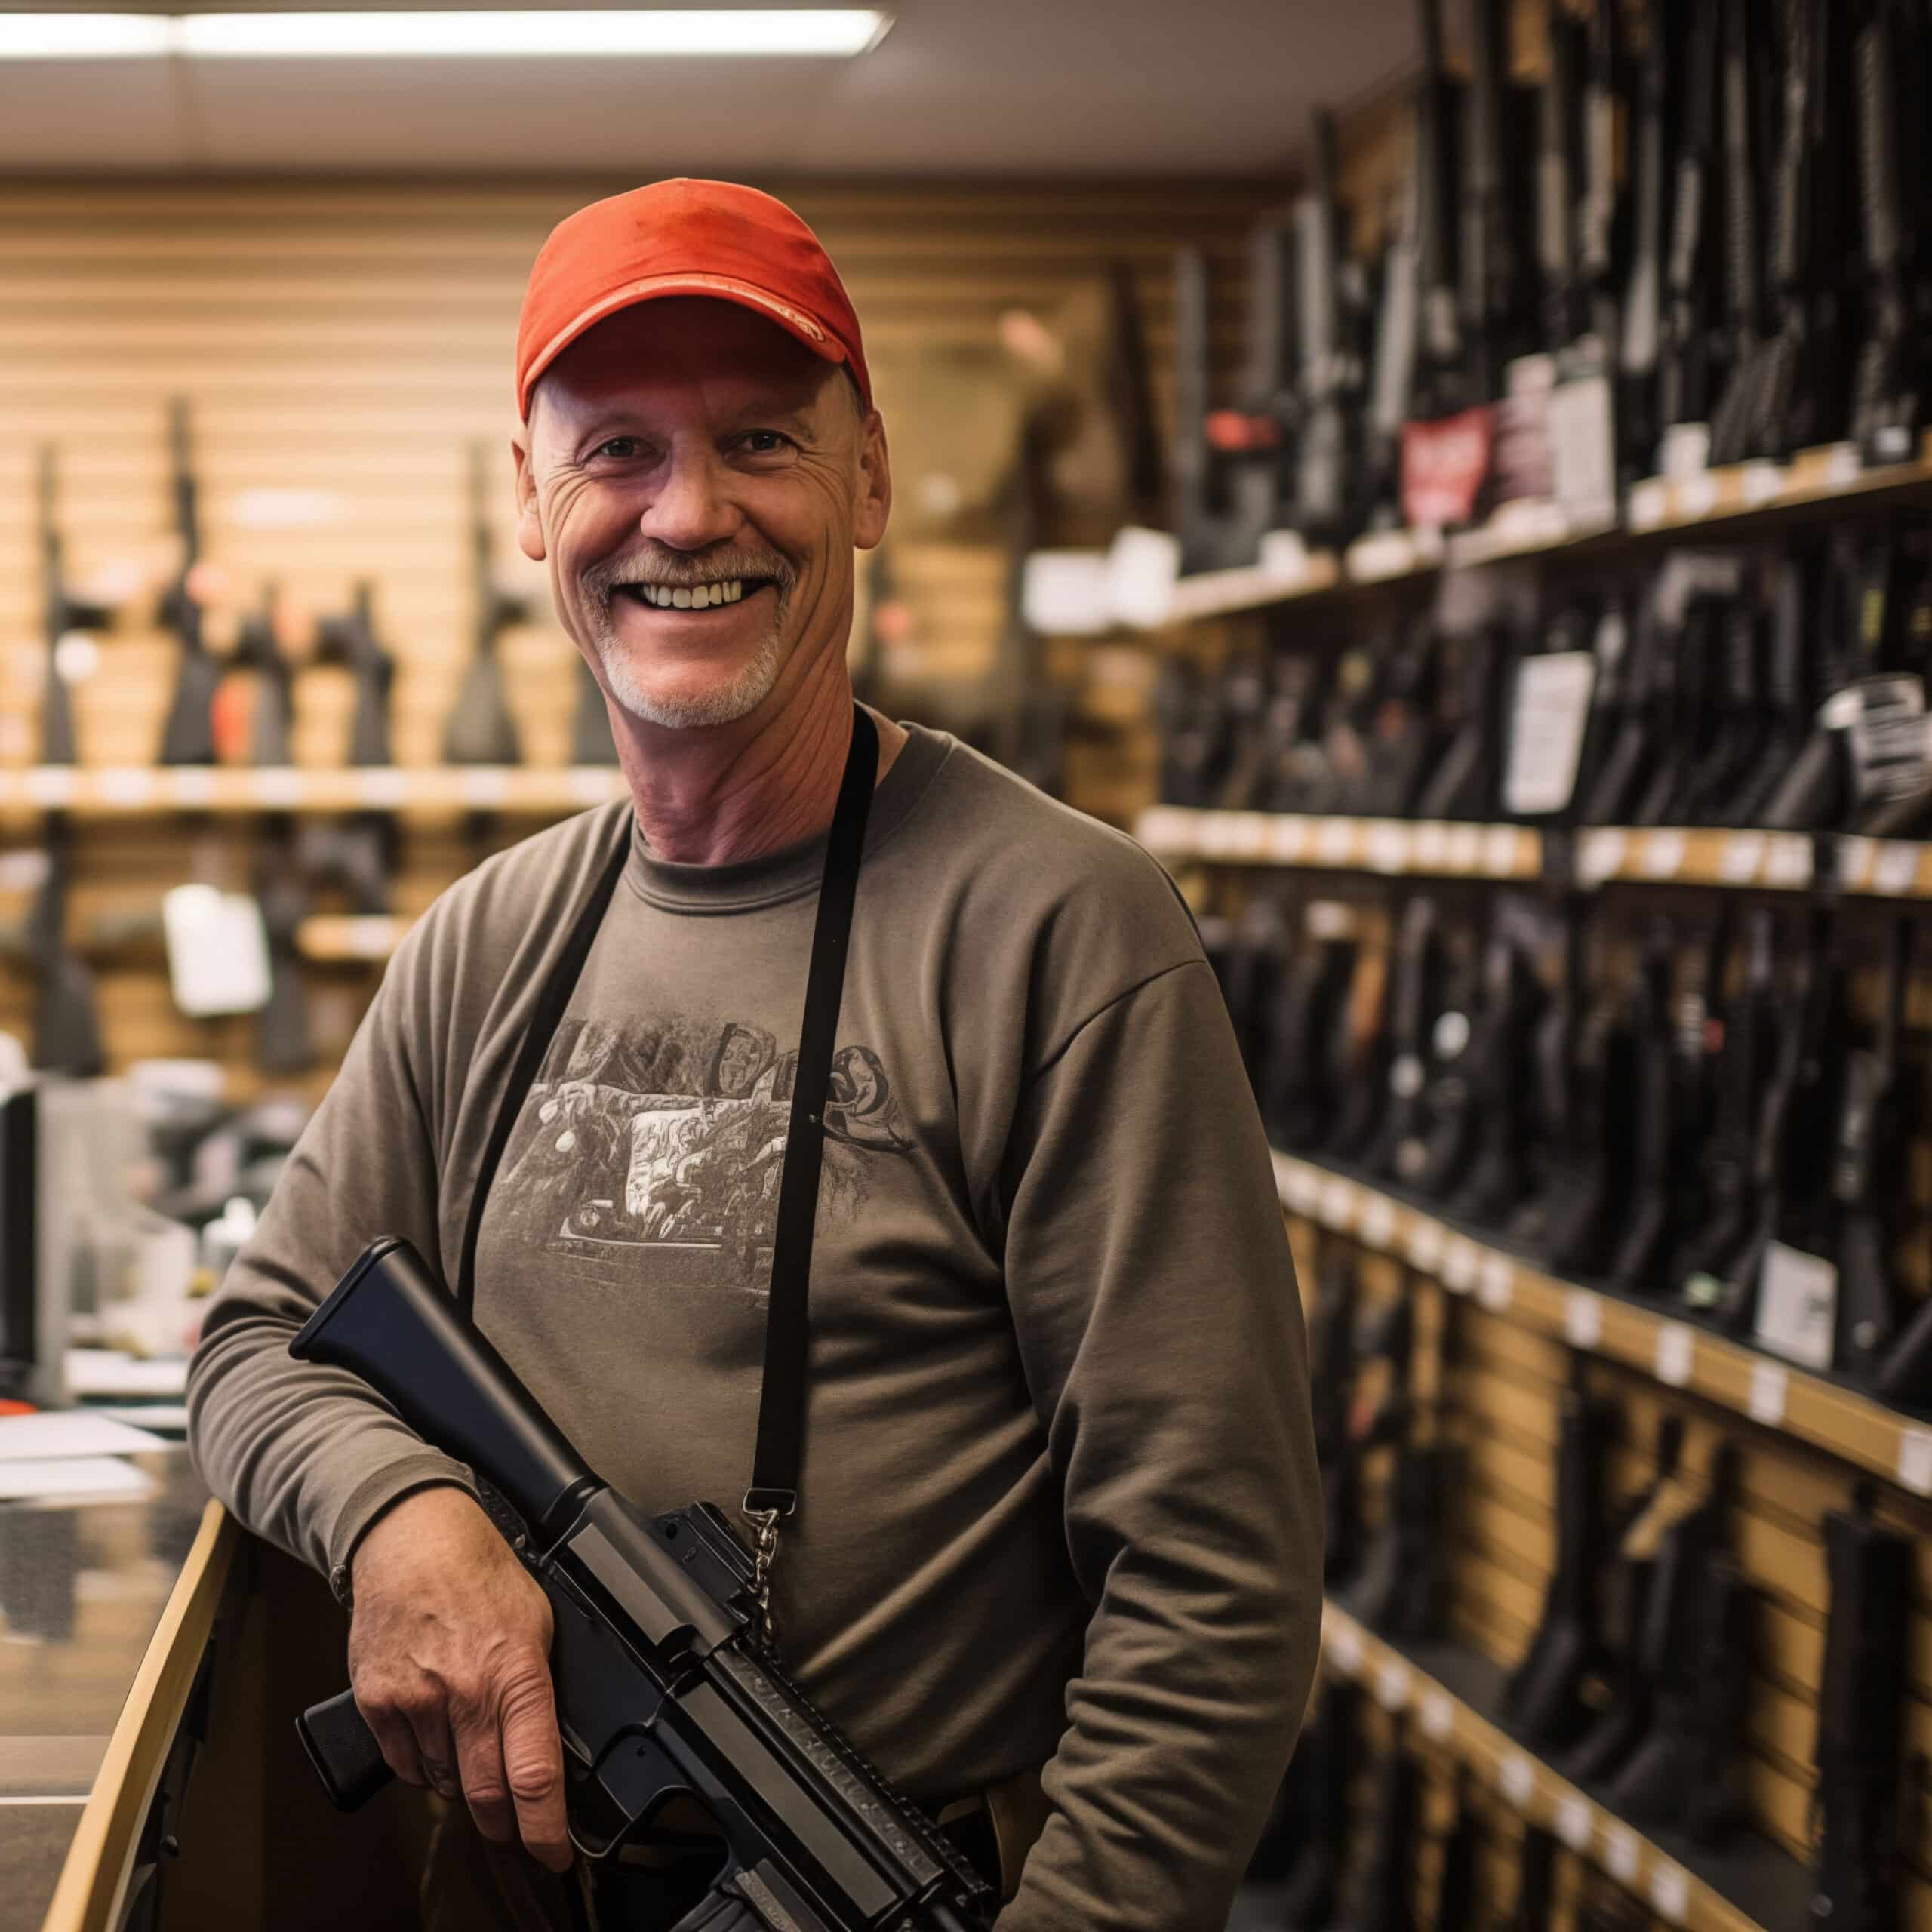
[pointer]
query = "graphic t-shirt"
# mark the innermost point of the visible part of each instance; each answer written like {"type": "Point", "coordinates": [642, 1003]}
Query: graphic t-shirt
{"type": "Point", "coordinates": [1060, 1495]}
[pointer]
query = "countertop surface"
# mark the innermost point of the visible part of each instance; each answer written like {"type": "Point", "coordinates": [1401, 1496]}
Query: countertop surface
{"type": "Point", "coordinates": [83, 1580]}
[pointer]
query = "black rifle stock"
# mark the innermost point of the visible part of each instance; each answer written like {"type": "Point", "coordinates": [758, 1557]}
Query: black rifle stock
{"type": "Point", "coordinates": [1640, 356]}
{"type": "Point", "coordinates": [1324, 1764]}
{"type": "Point", "coordinates": [1440, 384]}
{"type": "Point", "coordinates": [62, 613]}
{"type": "Point", "coordinates": [1387, 1898]}
{"type": "Point", "coordinates": [1536, 1881]}
{"type": "Point", "coordinates": [1497, 308]}
{"type": "Point", "coordinates": [258, 649]}
{"type": "Point", "coordinates": [661, 1686]}
{"type": "Point", "coordinates": [284, 1043]}
{"type": "Point", "coordinates": [361, 850]}
{"type": "Point", "coordinates": [1333, 1353]}
{"type": "Point", "coordinates": [1328, 470]}
{"type": "Point", "coordinates": [67, 1036]}
{"type": "Point", "coordinates": [1857, 1872]}
{"type": "Point", "coordinates": [1689, 370]}
{"type": "Point", "coordinates": [188, 735]}
{"type": "Point", "coordinates": [1130, 394]}
{"type": "Point", "coordinates": [481, 729]}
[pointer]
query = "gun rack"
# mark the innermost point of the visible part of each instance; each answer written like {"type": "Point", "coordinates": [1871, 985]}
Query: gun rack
{"type": "Point", "coordinates": [1454, 1695]}
{"type": "Point", "coordinates": [1820, 1410]}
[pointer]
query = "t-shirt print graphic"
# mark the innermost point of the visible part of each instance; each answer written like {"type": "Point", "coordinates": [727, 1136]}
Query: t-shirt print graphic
{"type": "Point", "coordinates": [664, 1141]}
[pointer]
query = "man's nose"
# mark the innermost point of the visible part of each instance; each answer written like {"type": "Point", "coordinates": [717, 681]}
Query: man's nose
{"type": "Point", "coordinates": [692, 505]}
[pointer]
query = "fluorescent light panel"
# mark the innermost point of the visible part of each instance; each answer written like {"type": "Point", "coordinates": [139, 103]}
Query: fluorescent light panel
{"type": "Point", "coordinates": [662, 33]}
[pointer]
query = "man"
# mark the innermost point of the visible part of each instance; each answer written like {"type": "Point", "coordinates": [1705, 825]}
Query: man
{"type": "Point", "coordinates": [1060, 1505]}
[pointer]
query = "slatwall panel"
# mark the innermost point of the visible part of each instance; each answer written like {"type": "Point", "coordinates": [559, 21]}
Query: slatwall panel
{"type": "Point", "coordinates": [349, 341]}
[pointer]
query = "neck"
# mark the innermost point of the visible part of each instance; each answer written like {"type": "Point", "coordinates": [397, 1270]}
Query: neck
{"type": "Point", "coordinates": [715, 794]}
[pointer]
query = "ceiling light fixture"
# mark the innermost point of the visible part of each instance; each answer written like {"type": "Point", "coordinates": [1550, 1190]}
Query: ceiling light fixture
{"type": "Point", "coordinates": [646, 33]}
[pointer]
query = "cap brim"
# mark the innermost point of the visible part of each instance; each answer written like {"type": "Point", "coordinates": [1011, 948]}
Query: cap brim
{"type": "Point", "coordinates": [724, 288]}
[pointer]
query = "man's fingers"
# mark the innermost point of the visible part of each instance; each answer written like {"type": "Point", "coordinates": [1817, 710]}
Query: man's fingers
{"type": "Point", "coordinates": [533, 1758]}
{"type": "Point", "coordinates": [395, 1740]}
{"type": "Point", "coordinates": [479, 1763]}
{"type": "Point", "coordinates": [435, 1750]}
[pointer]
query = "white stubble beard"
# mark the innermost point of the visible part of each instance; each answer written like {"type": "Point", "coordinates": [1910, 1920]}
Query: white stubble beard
{"type": "Point", "coordinates": [722, 705]}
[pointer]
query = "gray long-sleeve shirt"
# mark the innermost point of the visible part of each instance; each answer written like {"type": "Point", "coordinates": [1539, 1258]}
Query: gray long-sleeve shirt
{"type": "Point", "coordinates": [1061, 1505]}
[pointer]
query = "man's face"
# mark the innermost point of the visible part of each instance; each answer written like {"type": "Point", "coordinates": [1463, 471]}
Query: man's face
{"type": "Point", "coordinates": [688, 445]}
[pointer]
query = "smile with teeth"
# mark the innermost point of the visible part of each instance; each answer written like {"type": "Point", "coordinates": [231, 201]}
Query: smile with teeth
{"type": "Point", "coordinates": [700, 597]}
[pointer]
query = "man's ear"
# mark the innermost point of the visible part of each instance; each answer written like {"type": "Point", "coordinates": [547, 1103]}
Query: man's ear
{"type": "Point", "coordinates": [529, 524]}
{"type": "Point", "coordinates": [873, 505]}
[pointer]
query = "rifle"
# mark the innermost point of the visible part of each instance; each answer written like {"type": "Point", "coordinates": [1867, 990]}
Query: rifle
{"type": "Point", "coordinates": [1689, 369]}
{"type": "Point", "coordinates": [283, 1042]}
{"type": "Point", "coordinates": [1857, 1870]}
{"type": "Point", "coordinates": [1748, 98]}
{"type": "Point", "coordinates": [480, 729]}
{"type": "Point", "coordinates": [1497, 312]}
{"type": "Point", "coordinates": [1327, 1752]}
{"type": "Point", "coordinates": [1405, 742]}
{"type": "Point", "coordinates": [1648, 1223]}
{"type": "Point", "coordinates": [1417, 975]}
{"type": "Point", "coordinates": [188, 735]}
{"type": "Point", "coordinates": [1874, 1129]}
{"type": "Point", "coordinates": [1441, 383]}
{"type": "Point", "coordinates": [1332, 1352]}
{"type": "Point", "coordinates": [67, 1036]}
{"type": "Point", "coordinates": [1404, 1590]}
{"type": "Point", "coordinates": [62, 612]}
{"type": "Point", "coordinates": [1386, 1901]}
{"type": "Point", "coordinates": [1471, 685]}
{"type": "Point", "coordinates": [1360, 1059]}
{"type": "Point", "coordinates": [1536, 1881]}
{"type": "Point", "coordinates": [1026, 716]}
{"type": "Point", "coordinates": [1456, 1879]}
{"type": "Point", "coordinates": [1130, 392]}
{"type": "Point", "coordinates": [1893, 383]}
{"type": "Point", "coordinates": [360, 851]}
{"type": "Point", "coordinates": [258, 649]}
{"type": "Point", "coordinates": [1559, 172]}
{"type": "Point", "coordinates": [662, 1683]}
{"type": "Point", "coordinates": [1548, 1698]}
{"type": "Point", "coordinates": [1603, 214]}
{"type": "Point", "coordinates": [1328, 471]}
{"type": "Point", "coordinates": [1297, 1099]}
{"type": "Point", "coordinates": [1393, 378]}
{"type": "Point", "coordinates": [1788, 701]}
{"type": "Point", "coordinates": [1375, 1594]}
{"type": "Point", "coordinates": [1640, 400]}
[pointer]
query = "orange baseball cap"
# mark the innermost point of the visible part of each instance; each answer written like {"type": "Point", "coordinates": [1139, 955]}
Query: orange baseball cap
{"type": "Point", "coordinates": [684, 237]}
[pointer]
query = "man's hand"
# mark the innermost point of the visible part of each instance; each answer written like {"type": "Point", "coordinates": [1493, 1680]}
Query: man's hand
{"type": "Point", "coordinates": [449, 1653]}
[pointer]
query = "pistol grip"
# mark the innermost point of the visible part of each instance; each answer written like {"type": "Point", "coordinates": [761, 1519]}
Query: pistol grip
{"type": "Point", "coordinates": [344, 1752]}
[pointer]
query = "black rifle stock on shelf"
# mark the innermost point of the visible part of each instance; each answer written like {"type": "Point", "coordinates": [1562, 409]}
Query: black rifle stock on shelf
{"type": "Point", "coordinates": [67, 1037]}
{"type": "Point", "coordinates": [187, 737]}
{"type": "Point", "coordinates": [661, 1685]}
{"type": "Point", "coordinates": [1326, 1756]}
{"type": "Point", "coordinates": [1536, 1881]}
{"type": "Point", "coordinates": [481, 728]}
{"type": "Point", "coordinates": [1441, 383]}
{"type": "Point", "coordinates": [1130, 393]}
{"type": "Point", "coordinates": [1857, 1872]}
{"type": "Point", "coordinates": [1333, 1353]}
{"type": "Point", "coordinates": [1328, 467]}
{"type": "Point", "coordinates": [62, 612]}
{"type": "Point", "coordinates": [1386, 1896]}
{"type": "Point", "coordinates": [1640, 354]}
{"type": "Point", "coordinates": [258, 650]}
{"type": "Point", "coordinates": [283, 1040]}
{"type": "Point", "coordinates": [1498, 310]}
{"type": "Point", "coordinates": [1689, 369]}
{"type": "Point", "coordinates": [1746, 85]}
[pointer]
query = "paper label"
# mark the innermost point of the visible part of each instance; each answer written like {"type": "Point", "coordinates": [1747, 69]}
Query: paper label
{"type": "Point", "coordinates": [1888, 745]}
{"type": "Point", "coordinates": [1338, 1205]}
{"type": "Point", "coordinates": [1425, 1245]}
{"type": "Point", "coordinates": [1378, 1222]}
{"type": "Point", "coordinates": [1841, 466]}
{"type": "Point", "coordinates": [1392, 1684]}
{"type": "Point", "coordinates": [1288, 839]}
{"type": "Point", "coordinates": [1248, 835]}
{"type": "Point", "coordinates": [1697, 496]}
{"type": "Point", "coordinates": [384, 788]}
{"type": "Point", "coordinates": [591, 784]}
{"type": "Point", "coordinates": [1496, 1283]}
{"type": "Point", "coordinates": [1650, 502]}
{"type": "Point", "coordinates": [191, 785]}
{"type": "Point", "coordinates": [1462, 1262]}
{"type": "Point", "coordinates": [1798, 1297]}
{"type": "Point", "coordinates": [1743, 854]}
{"type": "Point", "coordinates": [1444, 465]}
{"type": "Point", "coordinates": [1431, 845]}
{"type": "Point", "coordinates": [1464, 847]}
{"type": "Point", "coordinates": [1547, 726]}
{"type": "Point", "coordinates": [1676, 1354]}
{"type": "Point", "coordinates": [1389, 847]}
{"type": "Point", "coordinates": [1582, 1319]}
{"type": "Point", "coordinates": [217, 951]}
{"type": "Point", "coordinates": [279, 787]}
{"type": "Point", "coordinates": [1670, 1892]}
{"type": "Point", "coordinates": [1788, 861]}
{"type": "Point", "coordinates": [1620, 1852]}
{"type": "Point", "coordinates": [1516, 1778]}
{"type": "Point", "coordinates": [1341, 1643]}
{"type": "Point", "coordinates": [1600, 856]}
{"type": "Point", "coordinates": [1141, 568]}
{"type": "Point", "coordinates": [1915, 1460]}
{"type": "Point", "coordinates": [1335, 843]}
{"type": "Point", "coordinates": [1576, 1823]}
{"type": "Point", "coordinates": [1663, 854]}
{"type": "Point", "coordinates": [1855, 858]}
{"type": "Point", "coordinates": [1211, 830]}
{"type": "Point", "coordinates": [1761, 482]}
{"type": "Point", "coordinates": [51, 785]}
{"type": "Point", "coordinates": [1583, 445]}
{"type": "Point", "coordinates": [1768, 1384]}
{"type": "Point", "coordinates": [1438, 1716]}
{"type": "Point", "coordinates": [1304, 1191]}
{"type": "Point", "coordinates": [127, 785]}
{"type": "Point", "coordinates": [1499, 851]}
{"type": "Point", "coordinates": [486, 786]}
{"type": "Point", "coordinates": [1895, 869]}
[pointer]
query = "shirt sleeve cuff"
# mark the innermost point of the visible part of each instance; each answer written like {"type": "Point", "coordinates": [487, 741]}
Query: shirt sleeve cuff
{"type": "Point", "coordinates": [375, 1493]}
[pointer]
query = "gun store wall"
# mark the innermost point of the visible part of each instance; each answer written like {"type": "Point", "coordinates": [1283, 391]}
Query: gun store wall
{"type": "Point", "coordinates": [1451, 484]}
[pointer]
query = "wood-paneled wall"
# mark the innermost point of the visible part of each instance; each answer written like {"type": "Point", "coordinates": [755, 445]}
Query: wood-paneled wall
{"type": "Point", "coordinates": [349, 341]}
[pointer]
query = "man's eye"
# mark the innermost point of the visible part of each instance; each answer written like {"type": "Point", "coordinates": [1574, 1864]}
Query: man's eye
{"type": "Point", "coordinates": [621, 449]}
{"type": "Point", "coordinates": [765, 442]}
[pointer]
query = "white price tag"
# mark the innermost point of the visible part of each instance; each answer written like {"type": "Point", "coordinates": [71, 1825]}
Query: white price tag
{"type": "Point", "coordinates": [1160, 828]}
{"type": "Point", "coordinates": [1650, 501]}
{"type": "Point", "coordinates": [191, 785]}
{"type": "Point", "coordinates": [217, 951]}
{"type": "Point", "coordinates": [1464, 847]}
{"type": "Point", "coordinates": [1768, 1384]}
{"type": "Point", "coordinates": [1335, 843]}
{"type": "Point", "coordinates": [1304, 1191]}
{"type": "Point", "coordinates": [1761, 482]}
{"type": "Point", "coordinates": [1670, 1892]}
{"type": "Point", "coordinates": [1516, 1778]}
{"type": "Point", "coordinates": [1915, 1460]}
{"type": "Point", "coordinates": [485, 786]}
{"type": "Point", "coordinates": [1600, 856]}
{"type": "Point", "coordinates": [1842, 468]}
{"type": "Point", "coordinates": [1497, 1282]}
{"type": "Point", "coordinates": [1425, 1245]}
{"type": "Point", "coordinates": [1620, 1852]}
{"type": "Point", "coordinates": [1438, 1716]}
{"type": "Point", "coordinates": [127, 785]}
{"type": "Point", "coordinates": [1216, 829]}
{"type": "Point", "coordinates": [1548, 713]}
{"type": "Point", "coordinates": [1499, 851]}
{"type": "Point", "coordinates": [383, 787]}
{"type": "Point", "coordinates": [1697, 496]}
{"type": "Point", "coordinates": [1288, 839]}
{"type": "Point", "coordinates": [1392, 1685]}
{"type": "Point", "coordinates": [1798, 1300]}
{"type": "Point", "coordinates": [1248, 836]}
{"type": "Point", "coordinates": [1676, 1354]}
{"type": "Point", "coordinates": [1389, 847]}
{"type": "Point", "coordinates": [1576, 1823]}
{"type": "Point", "coordinates": [51, 785]}
{"type": "Point", "coordinates": [1338, 1205]}
{"type": "Point", "coordinates": [1855, 859]}
{"type": "Point", "coordinates": [1895, 870]}
{"type": "Point", "coordinates": [370, 935]}
{"type": "Point", "coordinates": [1462, 1262]}
{"type": "Point", "coordinates": [1431, 845]}
{"type": "Point", "coordinates": [1788, 862]}
{"type": "Point", "coordinates": [1743, 854]}
{"type": "Point", "coordinates": [1143, 566]}
{"type": "Point", "coordinates": [1342, 1644]}
{"type": "Point", "coordinates": [1663, 854]}
{"type": "Point", "coordinates": [279, 787]}
{"type": "Point", "coordinates": [1582, 1319]}
{"type": "Point", "coordinates": [1378, 1221]}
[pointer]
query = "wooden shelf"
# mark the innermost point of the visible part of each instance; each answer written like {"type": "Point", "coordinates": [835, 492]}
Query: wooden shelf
{"type": "Point", "coordinates": [1829, 1414]}
{"type": "Point", "coordinates": [350, 938]}
{"type": "Point", "coordinates": [118, 791]}
{"type": "Point", "coordinates": [1677, 855]}
{"type": "Point", "coordinates": [1453, 1697]}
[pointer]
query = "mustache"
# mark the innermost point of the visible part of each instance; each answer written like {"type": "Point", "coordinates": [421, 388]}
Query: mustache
{"type": "Point", "coordinates": [602, 579]}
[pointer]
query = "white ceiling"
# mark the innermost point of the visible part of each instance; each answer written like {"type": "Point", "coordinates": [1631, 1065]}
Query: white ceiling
{"type": "Point", "coordinates": [1097, 87]}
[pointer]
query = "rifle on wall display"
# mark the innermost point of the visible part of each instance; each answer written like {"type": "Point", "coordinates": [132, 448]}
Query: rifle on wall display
{"type": "Point", "coordinates": [187, 736]}
{"type": "Point", "coordinates": [64, 614]}
{"type": "Point", "coordinates": [481, 728]}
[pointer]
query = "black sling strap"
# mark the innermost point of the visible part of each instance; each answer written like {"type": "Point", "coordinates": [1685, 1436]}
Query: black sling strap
{"type": "Point", "coordinates": [779, 1455]}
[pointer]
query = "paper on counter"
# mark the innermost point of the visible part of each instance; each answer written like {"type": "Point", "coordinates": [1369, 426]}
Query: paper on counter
{"type": "Point", "coordinates": [74, 1479]}
{"type": "Point", "coordinates": [109, 1372]}
{"type": "Point", "coordinates": [70, 1432]}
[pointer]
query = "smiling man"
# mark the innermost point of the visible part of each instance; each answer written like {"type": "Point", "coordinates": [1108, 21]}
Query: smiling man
{"type": "Point", "coordinates": [1056, 1562]}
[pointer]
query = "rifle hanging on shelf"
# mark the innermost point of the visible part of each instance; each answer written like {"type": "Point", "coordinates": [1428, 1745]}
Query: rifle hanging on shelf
{"type": "Point", "coordinates": [1692, 366]}
{"type": "Point", "coordinates": [258, 653]}
{"type": "Point", "coordinates": [67, 1037]}
{"type": "Point", "coordinates": [1385, 1900]}
{"type": "Point", "coordinates": [1328, 481]}
{"type": "Point", "coordinates": [1748, 96]}
{"type": "Point", "coordinates": [1130, 393]}
{"type": "Point", "coordinates": [187, 736]}
{"type": "Point", "coordinates": [63, 613]}
{"type": "Point", "coordinates": [481, 728]}
{"type": "Point", "coordinates": [1639, 413]}
{"type": "Point", "coordinates": [358, 852]}
{"type": "Point", "coordinates": [1332, 1351]}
